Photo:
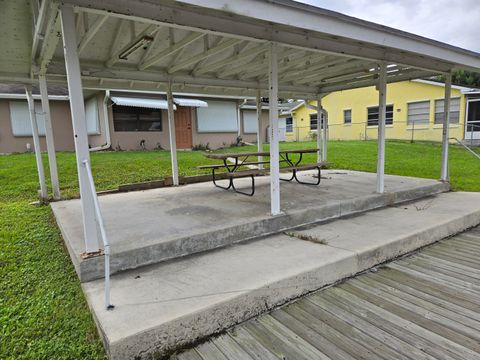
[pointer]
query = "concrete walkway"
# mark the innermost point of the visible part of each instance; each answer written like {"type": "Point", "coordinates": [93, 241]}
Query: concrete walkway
{"type": "Point", "coordinates": [147, 227]}
{"type": "Point", "coordinates": [165, 306]}
{"type": "Point", "coordinates": [424, 306]}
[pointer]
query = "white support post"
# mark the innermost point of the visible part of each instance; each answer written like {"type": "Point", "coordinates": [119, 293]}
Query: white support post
{"type": "Point", "coordinates": [77, 107]}
{"type": "Point", "coordinates": [319, 131]}
{"type": "Point", "coordinates": [259, 128]}
{"type": "Point", "coordinates": [52, 159]}
{"type": "Point", "coordinates": [171, 132]}
{"type": "Point", "coordinates": [36, 144]}
{"type": "Point", "coordinates": [382, 95]}
{"type": "Point", "coordinates": [274, 132]}
{"type": "Point", "coordinates": [324, 134]}
{"type": "Point", "coordinates": [446, 126]}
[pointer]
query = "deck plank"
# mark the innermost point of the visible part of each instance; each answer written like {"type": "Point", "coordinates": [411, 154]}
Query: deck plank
{"type": "Point", "coordinates": [424, 306]}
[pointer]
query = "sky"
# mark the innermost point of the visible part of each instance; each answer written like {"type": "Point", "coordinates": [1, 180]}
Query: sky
{"type": "Point", "coordinates": [456, 22]}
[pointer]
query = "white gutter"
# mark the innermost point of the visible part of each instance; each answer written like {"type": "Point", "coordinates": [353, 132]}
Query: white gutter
{"type": "Point", "coordinates": [108, 139]}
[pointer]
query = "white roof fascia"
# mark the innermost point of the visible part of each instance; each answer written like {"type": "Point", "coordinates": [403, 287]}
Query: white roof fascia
{"type": "Point", "coordinates": [35, 96]}
{"type": "Point", "coordinates": [141, 102]}
{"type": "Point", "coordinates": [441, 84]}
{"type": "Point", "coordinates": [288, 22]}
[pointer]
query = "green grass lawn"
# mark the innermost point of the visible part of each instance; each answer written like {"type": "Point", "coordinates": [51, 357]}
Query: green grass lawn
{"type": "Point", "coordinates": [43, 314]}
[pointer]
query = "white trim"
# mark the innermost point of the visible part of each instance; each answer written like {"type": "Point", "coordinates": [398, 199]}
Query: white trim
{"type": "Point", "coordinates": [35, 97]}
{"type": "Point", "coordinates": [441, 84]}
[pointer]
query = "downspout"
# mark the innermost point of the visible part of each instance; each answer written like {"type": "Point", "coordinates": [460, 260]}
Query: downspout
{"type": "Point", "coordinates": [108, 143]}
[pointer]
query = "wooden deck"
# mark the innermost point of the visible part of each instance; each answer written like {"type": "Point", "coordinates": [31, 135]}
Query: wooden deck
{"type": "Point", "coordinates": [425, 306]}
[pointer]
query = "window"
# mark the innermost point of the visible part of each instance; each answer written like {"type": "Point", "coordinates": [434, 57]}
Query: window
{"type": "Point", "coordinates": [454, 111]}
{"type": "Point", "coordinates": [249, 122]}
{"type": "Point", "coordinates": [129, 118]}
{"type": "Point", "coordinates": [91, 116]}
{"type": "Point", "coordinates": [347, 116]}
{"type": "Point", "coordinates": [289, 124]}
{"type": "Point", "coordinates": [219, 116]}
{"type": "Point", "coordinates": [20, 118]}
{"type": "Point", "coordinates": [22, 126]}
{"type": "Point", "coordinates": [314, 122]}
{"type": "Point", "coordinates": [418, 113]}
{"type": "Point", "coordinates": [372, 115]}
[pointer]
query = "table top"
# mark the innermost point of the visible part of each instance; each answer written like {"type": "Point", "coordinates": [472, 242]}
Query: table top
{"type": "Point", "coordinates": [260, 153]}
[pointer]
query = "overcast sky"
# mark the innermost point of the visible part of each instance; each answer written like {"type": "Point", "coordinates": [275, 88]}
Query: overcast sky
{"type": "Point", "coordinates": [454, 22]}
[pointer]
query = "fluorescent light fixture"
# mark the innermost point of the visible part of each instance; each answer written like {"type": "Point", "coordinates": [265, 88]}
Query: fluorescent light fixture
{"type": "Point", "coordinates": [143, 41]}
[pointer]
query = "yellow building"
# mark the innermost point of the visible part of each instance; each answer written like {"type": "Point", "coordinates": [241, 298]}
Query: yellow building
{"type": "Point", "coordinates": [414, 110]}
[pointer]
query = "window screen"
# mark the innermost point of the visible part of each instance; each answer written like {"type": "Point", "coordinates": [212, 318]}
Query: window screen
{"type": "Point", "coordinates": [418, 113]}
{"type": "Point", "coordinates": [219, 116]}
{"type": "Point", "coordinates": [372, 115]}
{"type": "Point", "coordinates": [454, 111]}
{"type": "Point", "coordinates": [347, 116]}
{"type": "Point", "coordinates": [20, 118]}
{"type": "Point", "coordinates": [249, 122]}
{"type": "Point", "coordinates": [314, 122]}
{"type": "Point", "coordinates": [289, 124]}
{"type": "Point", "coordinates": [129, 118]}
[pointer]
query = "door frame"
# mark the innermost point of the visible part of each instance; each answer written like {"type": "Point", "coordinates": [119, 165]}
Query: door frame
{"type": "Point", "coordinates": [475, 134]}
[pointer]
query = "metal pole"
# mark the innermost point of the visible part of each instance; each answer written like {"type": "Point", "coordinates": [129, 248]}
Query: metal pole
{"type": "Point", "coordinates": [273, 117]}
{"type": "Point", "coordinates": [446, 125]}
{"type": "Point", "coordinates": [171, 133]}
{"type": "Point", "coordinates": [77, 107]}
{"type": "Point", "coordinates": [103, 233]}
{"type": "Point", "coordinates": [259, 128]}
{"type": "Point", "coordinates": [52, 159]}
{"type": "Point", "coordinates": [319, 133]}
{"type": "Point", "coordinates": [36, 144]}
{"type": "Point", "coordinates": [382, 93]}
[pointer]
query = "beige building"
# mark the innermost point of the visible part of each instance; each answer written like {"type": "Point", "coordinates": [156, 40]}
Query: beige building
{"type": "Point", "coordinates": [132, 121]}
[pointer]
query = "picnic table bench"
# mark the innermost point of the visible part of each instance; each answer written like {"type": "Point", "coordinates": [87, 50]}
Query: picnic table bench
{"type": "Point", "coordinates": [235, 169]}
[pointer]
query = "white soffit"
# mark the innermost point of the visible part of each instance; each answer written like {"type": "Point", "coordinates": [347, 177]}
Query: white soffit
{"type": "Point", "coordinates": [190, 102]}
{"type": "Point", "coordinates": [140, 102]}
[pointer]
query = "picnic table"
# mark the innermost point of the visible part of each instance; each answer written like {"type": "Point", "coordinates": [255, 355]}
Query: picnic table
{"type": "Point", "coordinates": [234, 167]}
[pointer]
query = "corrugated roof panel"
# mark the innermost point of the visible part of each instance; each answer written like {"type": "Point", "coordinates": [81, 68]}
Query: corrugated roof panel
{"type": "Point", "coordinates": [139, 102]}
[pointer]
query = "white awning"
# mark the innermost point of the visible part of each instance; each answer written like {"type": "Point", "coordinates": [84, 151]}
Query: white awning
{"type": "Point", "coordinates": [190, 102]}
{"type": "Point", "coordinates": [141, 102]}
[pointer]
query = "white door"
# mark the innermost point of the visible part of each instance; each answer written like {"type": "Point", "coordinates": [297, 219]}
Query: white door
{"type": "Point", "coordinates": [472, 121]}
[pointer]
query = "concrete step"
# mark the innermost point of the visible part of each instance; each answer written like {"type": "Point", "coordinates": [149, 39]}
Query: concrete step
{"type": "Point", "coordinates": [152, 226]}
{"type": "Point", "coordinates": [165, 306]}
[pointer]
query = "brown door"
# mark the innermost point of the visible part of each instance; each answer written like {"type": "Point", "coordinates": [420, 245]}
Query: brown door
{"type": "Point", "coordinates": [183, 127]}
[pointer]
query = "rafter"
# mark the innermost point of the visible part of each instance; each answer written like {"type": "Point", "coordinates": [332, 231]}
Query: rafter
{"type": "Point", "coordinates": [308, 69]}
{"type": "Point", "coordinates": [91, 32]}
{"type": "Point", "coordinates": [149, 31]}
{"type": "Point", "coordinates": [118, 35]}
{"type": "Point", "coordinates": [205, 54]}
{"type": "Point", "coordinates": [50, 41]}
{"type": "Point", "coordinates": [333, 71]}
{"type": "Point", "coordinates": [259, 60]}
{"type": "Point", "coordinates": [187, 40]}
{"type": "Point", "coordinates": [151, 46]}
{"type": "Point", "coordinates": [231, 60]}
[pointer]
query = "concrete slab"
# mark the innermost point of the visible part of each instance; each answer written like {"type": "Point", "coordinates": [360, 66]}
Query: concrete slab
{"type": "Point", "coordinates": [150, 226]}
{"type": "Point", "coordinates": [399, 229]}
{"type": "Point", "coordinates": [165, 306]}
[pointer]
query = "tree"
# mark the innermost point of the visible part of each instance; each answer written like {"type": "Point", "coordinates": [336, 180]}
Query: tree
{"type": "Point", "coordinates": [462, 77]}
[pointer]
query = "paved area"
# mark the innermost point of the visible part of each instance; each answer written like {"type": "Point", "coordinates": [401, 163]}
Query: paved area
{"type": "Point", "coordinates": [425, 306]}
{"type": "Point", "coordinates": [163, 306]}
{"type": "Point", "coordinates": [146, 227]}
